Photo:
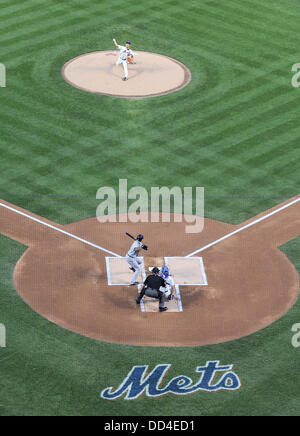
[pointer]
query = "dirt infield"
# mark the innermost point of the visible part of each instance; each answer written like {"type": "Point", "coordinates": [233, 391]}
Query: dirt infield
{"type": "Point", "coordinates": [152, 74]}
{"type": "Point", "coordinates": [250, 282]}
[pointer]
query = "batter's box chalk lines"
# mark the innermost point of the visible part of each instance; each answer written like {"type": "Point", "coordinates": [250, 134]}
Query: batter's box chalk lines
{"type": "Point", "coordinates": [201, 266]}
{"type": "Point", "coordinates": [241, 229]}
{"type": "Point", "coordinates": [142, 306]}
{"type": "Point", "coordinates": [84, 241]}
{"type": "Point", "coordinates": [110, 277]}
{"type": "Point", "coordinates": [177, 290]}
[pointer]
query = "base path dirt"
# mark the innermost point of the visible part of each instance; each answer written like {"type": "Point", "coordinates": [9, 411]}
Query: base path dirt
{"type": "Point", "coordinates": [251, 283]}
{"type": "Point", "coordinates": [151, 75]}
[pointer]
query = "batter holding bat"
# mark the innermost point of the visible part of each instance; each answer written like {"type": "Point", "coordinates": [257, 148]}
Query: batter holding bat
{"type": "Point", "coordinates": [132, 257]}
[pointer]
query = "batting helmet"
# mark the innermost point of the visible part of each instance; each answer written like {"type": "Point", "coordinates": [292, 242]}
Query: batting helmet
{"type": "Point", "coordinates": [140, 237]}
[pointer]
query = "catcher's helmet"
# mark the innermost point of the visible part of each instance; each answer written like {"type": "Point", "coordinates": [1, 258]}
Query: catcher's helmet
{"type": "Point", "coordinates": [140, 237]}
{"type": "Point", "coordinates": [155, 270]}
{"type": "Point", "coordinates": [165, 271]}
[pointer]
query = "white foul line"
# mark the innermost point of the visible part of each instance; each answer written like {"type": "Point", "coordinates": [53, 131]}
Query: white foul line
{"type": "Point", "coordinates": [108, 271]}
{"type": "Point", "coordinates": [59, 230]}
{"type": "Point", "coordinates": [244, 227]}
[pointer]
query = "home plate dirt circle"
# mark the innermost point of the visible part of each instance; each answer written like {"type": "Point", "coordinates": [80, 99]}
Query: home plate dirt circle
{"type": "Point", "coordinates": [251, 283]}
{"type": "Point", "coordinates": [152, 74]}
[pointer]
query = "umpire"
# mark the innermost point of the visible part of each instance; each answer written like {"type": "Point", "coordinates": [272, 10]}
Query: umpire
{"type": "Point", "coordinates": [151, 289]}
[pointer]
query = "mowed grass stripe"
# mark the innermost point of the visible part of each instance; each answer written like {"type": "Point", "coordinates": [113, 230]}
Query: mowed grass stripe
{"type": "Point", "coordinates": [30, 125]}
{"type": "Point", "coordinates": [22, 25]}
{"type": "Point", "coordinates": [33, 9]}
{"type": "Point", "coordinates": [14, 8]}
{"type": "Point", "coordinates": [267, 24]}
{"type": "Point", "coordinates": [249, 144]}
{"type": "Point", "coordinates": [57, 26]}
{"type": "Point", "coordinates": [22, 111]}
{"type": "Point", "coordinates": [211, 25]}
{"type": "Point", "coordinates": [240, 140]}
{"type": "Point", "coordinates": [42, 20]}
{"type": "Point", "coordinates": [229, 56]}
{"type": "Point", "coordinates": [231, 111]}
{"type": "Point", "coordinates": [227, 21]}
{"type": "Point", "coordinates": [262, 385]}
{"type": "Point", "coordinates": [235, 51]}
{"type": "Point", "coordinates": [266, 35]}
{"type": "Point", "coordinates": [47, 107]}
{"type": "Point", "coordinates": [266, 30]}
{"type": "Point", "coordinates": [275, 161]}
{"type": "Point", "coordinates": [64, 127]}
{"type": "Point", "coordinates": [243, 80]}
{"type": "Point", "coordinates": [259, 140]}
{"type": "Point", "coordinates": [115, 12]}
{"type": "Point", "coordinates": [264, 155]}
{"type": "Point", "coordinates": [275, 9]}
{"type": "Point", "coordinates": [65, 145]}
{"type": "Point", "coordinates": [260, 22]}
{"type": "Point", "coordinates": [242, 89]}
{"type": "Point", "coordinates": [245, 124]}
{"type": "Point", "coordinates": [238, 96]}
{"type": "Point", "coordinates": [275, 109]}
{"type": "Point", "coordinates": [231, 22]}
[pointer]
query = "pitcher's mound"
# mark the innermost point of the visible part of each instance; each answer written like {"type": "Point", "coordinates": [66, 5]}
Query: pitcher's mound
{"type": "Point", "coordinates": [152, 74]}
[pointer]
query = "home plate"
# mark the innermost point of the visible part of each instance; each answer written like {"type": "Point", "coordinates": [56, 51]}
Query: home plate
{"type": "Point", "coordinates": [185, 272]}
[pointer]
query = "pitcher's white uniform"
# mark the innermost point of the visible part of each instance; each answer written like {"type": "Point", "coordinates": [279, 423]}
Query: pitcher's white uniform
{"type": "Point", "coordinates": [132, 257]}
{"type": "Point", "coordinates": [124, 54]}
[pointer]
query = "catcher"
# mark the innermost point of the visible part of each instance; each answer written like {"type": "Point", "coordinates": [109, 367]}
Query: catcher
{"type": "Point", "coordinates": [169, 288]}
{"type": "Point", "coordinates": [125, 57]}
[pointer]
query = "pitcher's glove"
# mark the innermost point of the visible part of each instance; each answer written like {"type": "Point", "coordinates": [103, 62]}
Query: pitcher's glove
{"type": "Point", "coordinates": [130, 60]}
{"type": "Point", "coordinates": [145, 247]}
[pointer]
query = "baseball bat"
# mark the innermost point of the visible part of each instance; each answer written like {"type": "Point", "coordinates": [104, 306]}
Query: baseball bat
{"type": "Point", "coordinates": [130, 236]}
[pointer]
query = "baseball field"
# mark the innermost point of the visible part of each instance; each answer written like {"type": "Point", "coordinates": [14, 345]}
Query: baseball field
{"type": "Point", "coordinates": [227, 121]}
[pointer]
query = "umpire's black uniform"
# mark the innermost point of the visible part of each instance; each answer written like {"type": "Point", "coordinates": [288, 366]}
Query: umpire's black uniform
{"type": "Point", "coordinates": [151, 289]}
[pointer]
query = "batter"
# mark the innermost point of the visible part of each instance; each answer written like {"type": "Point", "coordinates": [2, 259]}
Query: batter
{"type": "Point", "coordinates": [132, 257]}
{"type": "Point", "coordinates": [125, 57]}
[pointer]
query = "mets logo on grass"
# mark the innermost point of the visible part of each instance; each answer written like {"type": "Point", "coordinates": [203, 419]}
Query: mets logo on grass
{"type": "Point", "coordinates": [213, 377]}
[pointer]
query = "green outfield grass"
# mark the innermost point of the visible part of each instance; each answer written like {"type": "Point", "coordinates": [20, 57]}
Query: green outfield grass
{"type": "Point", "coordinates": [234, 130]}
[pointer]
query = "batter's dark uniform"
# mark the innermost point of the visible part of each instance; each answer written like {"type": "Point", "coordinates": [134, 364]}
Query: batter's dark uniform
{"type": "Point", "coordinates": [151, 289]}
